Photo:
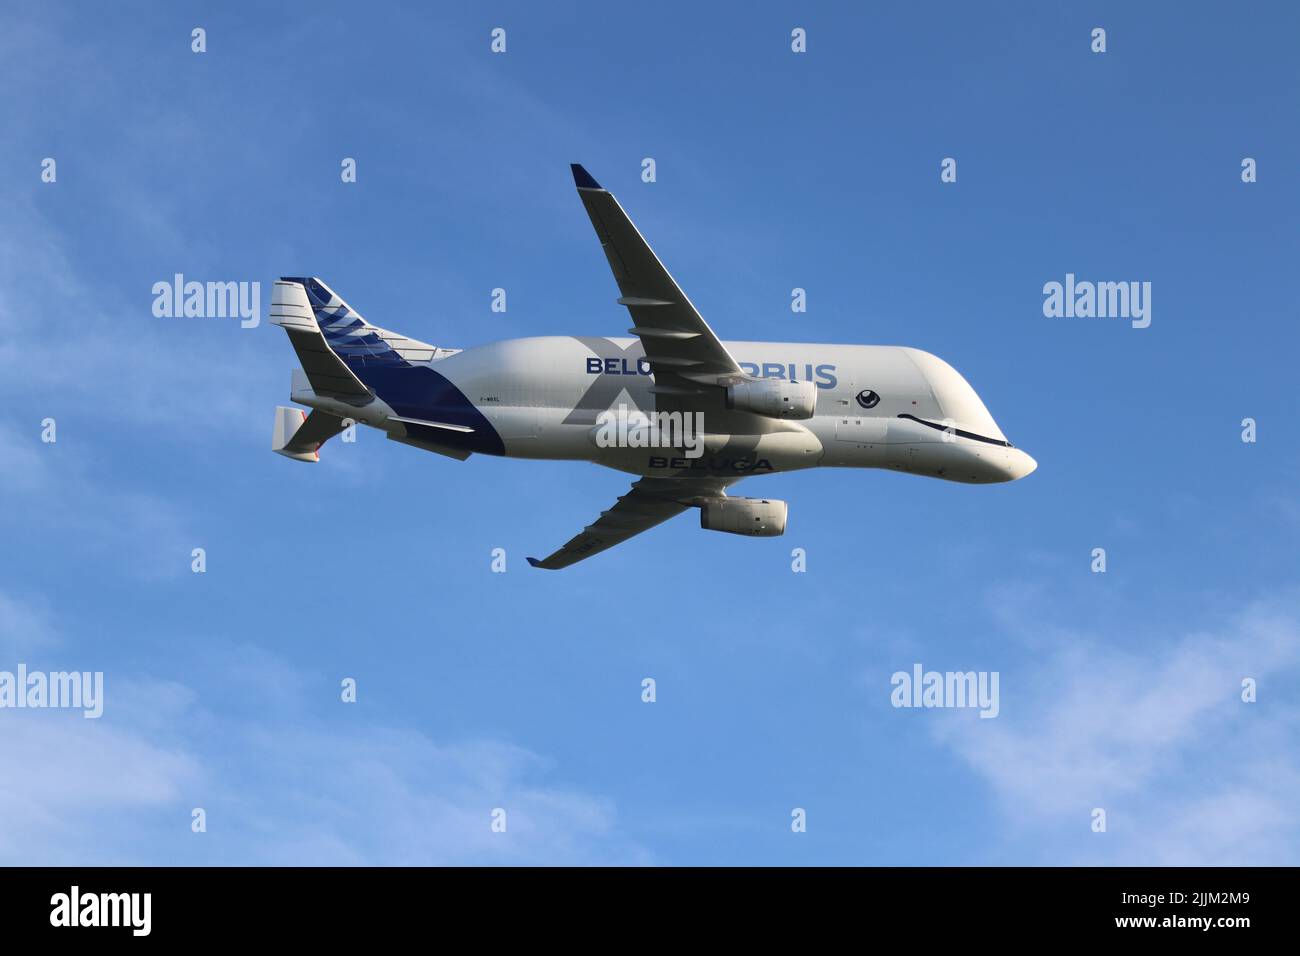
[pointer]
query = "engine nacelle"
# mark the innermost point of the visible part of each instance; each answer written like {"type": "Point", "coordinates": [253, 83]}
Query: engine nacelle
{"type": "Point", "coordinates": [753, 517]}
{"type": "Point", "coordinates": [774, 398]}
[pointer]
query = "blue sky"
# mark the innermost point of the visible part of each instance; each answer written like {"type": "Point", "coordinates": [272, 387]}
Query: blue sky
{"type": "Point", "coordinates": [522, 690]}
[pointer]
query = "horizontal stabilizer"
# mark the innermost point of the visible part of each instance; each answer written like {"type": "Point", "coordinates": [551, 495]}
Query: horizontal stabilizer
{"type": "Point", "coordinates": [299, 435]}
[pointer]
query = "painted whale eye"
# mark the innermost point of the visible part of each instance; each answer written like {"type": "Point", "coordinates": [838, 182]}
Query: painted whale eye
{"type": "Point", "coordinates": [868, 399]}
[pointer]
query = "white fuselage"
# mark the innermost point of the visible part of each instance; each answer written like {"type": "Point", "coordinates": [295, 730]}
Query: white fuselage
{"type": "Point", "coordinates": [877, 407]}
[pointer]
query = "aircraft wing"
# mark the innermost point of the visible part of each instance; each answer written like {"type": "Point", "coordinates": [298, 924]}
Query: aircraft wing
{"type": "Point", "coordinates": [651, 501]}
{"type": "Point", "coordinates": [679, 345]}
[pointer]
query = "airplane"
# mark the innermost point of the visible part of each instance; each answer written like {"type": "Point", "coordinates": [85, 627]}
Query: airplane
{"type": "Point", "coordinates": [728, 410]}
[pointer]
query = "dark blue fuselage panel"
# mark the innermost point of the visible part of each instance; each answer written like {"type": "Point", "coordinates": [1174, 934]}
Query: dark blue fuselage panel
{"type": "Point", "coordinates": [417, 391]}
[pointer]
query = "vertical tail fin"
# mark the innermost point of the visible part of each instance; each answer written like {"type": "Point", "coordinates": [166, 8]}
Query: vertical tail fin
{"type": "Point", "coordinates": [346, 332]}
{"type": "Point", "coordinates": [328, 373]}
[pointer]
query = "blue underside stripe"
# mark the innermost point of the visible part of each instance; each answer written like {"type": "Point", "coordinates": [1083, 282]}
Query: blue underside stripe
{"type": "Point", "coordinates": [417, 391]}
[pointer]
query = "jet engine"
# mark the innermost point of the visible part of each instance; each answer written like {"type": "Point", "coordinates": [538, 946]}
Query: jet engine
{"type": "Point", "coordinates": [753, 517]}
{"type": "Point", "coordinates": [774, 397]}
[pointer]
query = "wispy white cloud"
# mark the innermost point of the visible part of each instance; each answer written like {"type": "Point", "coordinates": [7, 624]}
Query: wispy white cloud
{"type": "Point", "coordinates": [280, 783]}
{"type": "Point", "coordinates": [25, 626]}
{"type": "Point", "coordinates": [81, 350]}
{"type": "Point", "coordinates": [72, 786]}
{"type": "Point", "coordinates": [384, 795]}
{"type": "Point", "coordinates": [58, 489]}
{"type": "Point", "coordinates": [1154, 731]}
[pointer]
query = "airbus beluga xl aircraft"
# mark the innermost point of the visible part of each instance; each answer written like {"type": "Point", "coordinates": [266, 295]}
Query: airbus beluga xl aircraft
{"type": "Point", "coordinates": [687, 413]}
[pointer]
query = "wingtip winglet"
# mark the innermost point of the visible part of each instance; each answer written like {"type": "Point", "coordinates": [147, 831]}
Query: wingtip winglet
{"type": "Point", "coordinates": [583, 179]}
{"type": "Point", "coordinates": [534, 562]}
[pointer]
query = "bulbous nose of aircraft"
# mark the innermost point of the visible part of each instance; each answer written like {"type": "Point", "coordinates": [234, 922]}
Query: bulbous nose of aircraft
{"type": "Point", "coordinates": [986, 455]}
{"type": "Point", "coordinates": [996, 465]}
{"type": "Point", "coordinates": [1019, 464]}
